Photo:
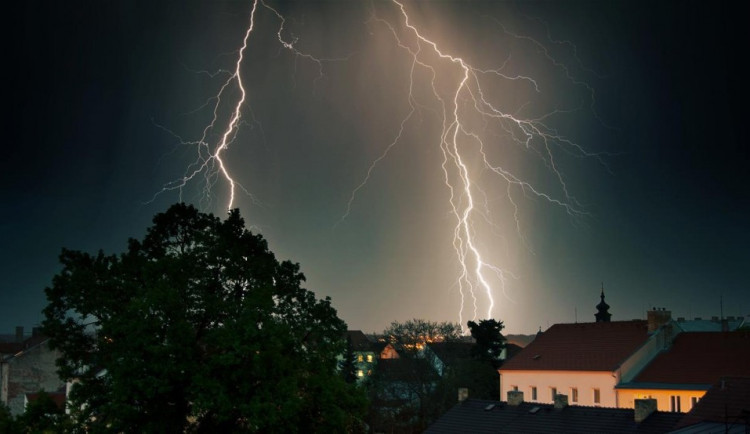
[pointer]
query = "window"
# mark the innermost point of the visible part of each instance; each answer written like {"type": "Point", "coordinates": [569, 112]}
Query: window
{"type": "Point", "coordinates": [674, 400]}
{"type": "Point", "coordinates": [369, 372]}
{"type": "Point", "coordinates": [533, 393]}
{"type": "Point", "coordinates": [597, 397]}
{"type": "Point", "coordinates": [359, 358]}
{"type": "Point", "coordinates": [553, 392]}
{"type": "Point", "coordinates": [574, 394]}
{"type": "Point", "coordinates": [369, 358]}
{"type": "Point", "coordinates": [360, 373]}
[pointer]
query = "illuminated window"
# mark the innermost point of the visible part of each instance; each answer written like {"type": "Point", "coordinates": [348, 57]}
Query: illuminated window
{"type": "Point", "coordinates": [359, 358]}
{"type": "Point", "coordinates": [360, 373]}
{"type": "Point", "coordinates": [574, 394]}
{"type": "Point", "coordinates": [553, 392]}
{"type": "Point", "coordinates": [533, 393]}
{"type": "Point", "coordinates": [369, 358]}
{"type": "Point", "coordinates": [597, 397]}
{"type": "Point", "coordinates": [369, 372]}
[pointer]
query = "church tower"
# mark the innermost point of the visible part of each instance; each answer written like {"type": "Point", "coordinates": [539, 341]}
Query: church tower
{"type": "Point", "coordinates": [603, 314]}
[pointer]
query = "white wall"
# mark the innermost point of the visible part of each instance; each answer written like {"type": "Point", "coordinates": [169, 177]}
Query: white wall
{"type": "Point", "coordinates": [564, 381]}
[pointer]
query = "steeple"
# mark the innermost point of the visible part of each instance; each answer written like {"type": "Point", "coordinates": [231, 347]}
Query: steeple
{"type": "Point", "coordinates": [603, 314]}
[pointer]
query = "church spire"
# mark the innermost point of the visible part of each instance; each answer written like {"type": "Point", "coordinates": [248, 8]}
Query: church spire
{"type": "Point", "coordinates": [603, 314]}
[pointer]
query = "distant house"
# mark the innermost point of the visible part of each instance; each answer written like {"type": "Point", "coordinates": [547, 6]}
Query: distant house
{"type": "Point", "coordinates": [368, 352]}
{"type": "Point", "coordinates": [679, 376]}
{"type": "Point", "coordinates": [442, 355]}
{"type": "Point", "coordinates": [27, 367]}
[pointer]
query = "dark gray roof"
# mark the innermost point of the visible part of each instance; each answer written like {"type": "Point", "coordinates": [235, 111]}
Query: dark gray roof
{"type": "Point", "coordinates": [479, 416]}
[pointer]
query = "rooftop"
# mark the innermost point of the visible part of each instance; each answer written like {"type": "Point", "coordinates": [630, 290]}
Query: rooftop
{"type": "Point", "coordinates": [700, 358]}
{"type": "Point", "coordinates": [601, 346]}
{"type": "Point", "coordinates": [479, 416]}
{"type": "Point", "coordinates": [726, 403]}
{"type": "Point", "coordinates": [360, 342]}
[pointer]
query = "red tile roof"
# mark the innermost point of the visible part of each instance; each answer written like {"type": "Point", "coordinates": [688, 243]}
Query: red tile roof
{"type": "Point", "coordinates": [599, 346]}
{"type": "Point", "coordinates": [728, 401]}
{"type": "Point", "coordinates": [700, 358]}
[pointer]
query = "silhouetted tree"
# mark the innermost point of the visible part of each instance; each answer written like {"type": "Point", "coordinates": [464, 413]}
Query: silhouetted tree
{"type": "Point", "coordinates": [348, 365]}
{"type": "Point", "coordinates": [8, 424]}
{"type": "Point", "coordinates": [197, 328]}
{"type": "Point", "coordinates": [42, 415]}
{"type": "Point", "coordinates": [489, 341]}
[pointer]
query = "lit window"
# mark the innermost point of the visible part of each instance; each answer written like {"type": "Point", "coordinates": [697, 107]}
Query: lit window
{"type": "Point", "coordinates": [597, 397]}
{"type": "Point", "coordinates": [533, 393]}
{"type": "Point", "coordinates": [553, 392]}
{"type": "Point", "coordinates": [360, 373]}
{"type": "Point", "coordinates": [359, 358]}
{"type": "Point", "coordinates": [369, 372]}
{"type": "Point", "coordinates": [574, 394]}
{"type": "Point", "coordinates": [369, 358]}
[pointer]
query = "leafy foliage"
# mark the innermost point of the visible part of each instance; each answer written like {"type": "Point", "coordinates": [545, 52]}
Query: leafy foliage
{"type": "Point", "coordinates": [8, 424]}
{"type": "Point", "coordinates": [44, 416]}
{"type": "Point", "coordinates": [490, 342]}
{"type": "Point", "coordinates": [348, 365]}
{"type": "Point", "coordinates": [197, 328]}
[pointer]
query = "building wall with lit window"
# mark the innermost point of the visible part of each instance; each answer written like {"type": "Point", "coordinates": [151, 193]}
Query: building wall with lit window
{"type": "Point", "coordinates": [674, 400]}
{"type": "Point", "coordinates": [584, 384]}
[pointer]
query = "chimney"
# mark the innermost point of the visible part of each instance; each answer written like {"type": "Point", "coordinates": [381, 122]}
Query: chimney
{"type": "Point", "coordinates": [561, 401]}
{"type": "Point", "coordinates": [657, 318]}
{"type": "Point", "coordinates": [644, 408]}
{"type": "Point", "coordinates": [515, 397]}
{"type": "Point", "coordinates": [463, 394]}
{"type": "Point", "coordinates": [19, 334]}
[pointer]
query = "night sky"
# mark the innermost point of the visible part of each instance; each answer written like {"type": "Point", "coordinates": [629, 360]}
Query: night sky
{"type": "Point", "coordinates": [658, 91]}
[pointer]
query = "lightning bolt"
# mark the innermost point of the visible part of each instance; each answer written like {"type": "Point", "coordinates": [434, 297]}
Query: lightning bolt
{"type": "Point", "coordinates": [465, 108]}
{"type": "Point", "coordinates": [460, 141]}
{"type": "Point", "coordinates": [209, 164]}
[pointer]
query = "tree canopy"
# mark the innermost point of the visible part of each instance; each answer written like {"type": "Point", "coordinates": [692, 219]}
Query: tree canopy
{"type": "Point", "coordinates": [416, 332]}
{"type": "Point", "coordinates": [197, 328]}
{"type": "Point", "coordinates": [490, 343]}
